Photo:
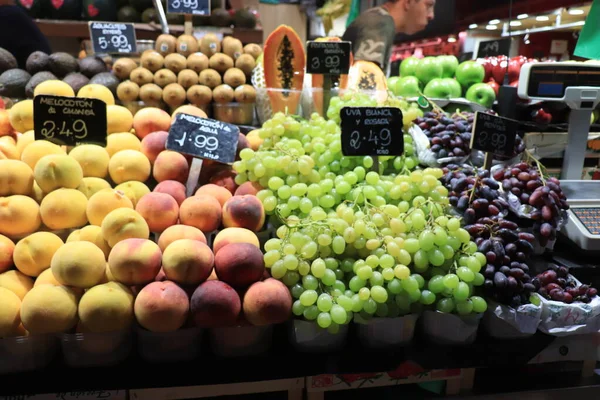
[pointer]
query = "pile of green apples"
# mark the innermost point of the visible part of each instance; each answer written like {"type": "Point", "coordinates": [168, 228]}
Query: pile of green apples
{"type": "Point", "coordinates": [442, 77]}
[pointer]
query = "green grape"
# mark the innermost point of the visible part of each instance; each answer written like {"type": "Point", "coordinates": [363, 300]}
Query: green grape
{"type": "Point", "coordinates": [533, 299]}
{"type": "Point", "coordinates": [338, 245]}
{"type": "Point", "coordinates": [364, 294]}
{"type": "Point", "coordinates": [441, 237]}
{"type": "Point", "coordinates": [324, 302]}
{"type": "Point", "coordinates": [309, 282]}
{"type": "Point", "coordinates": [388, 274]}
{"type": "Point", "coordinates": [278, 270]}
{"type": "Point", "coordinates": [303, 268]}
{"type": "Point", "coordinates": [403, 302]}
{"type": "Point", "coordinates": [345, 302]}
{"type": "Point", "coordinates": [367, 162]}
{"type": "Point", "coordinates": [414, 295]}
{"type": "Point", "coordinates": [447, 251]}
{"type": "Point", "coordinates": [445, 305]}
{"type": "Point", "coordinates": [379, 294]}
{"type": "Point", "coordinates": [465, 274]}
{"type": "Point", "coordinates": [436, 284]}
{"type": "Point", "coordinates": [311, 313]}
{"type": "Point", "coordinates": [462, 261]}
{"type": "Point", "coordinates": [418, 221]}
{"type": "Point", "coordinates": [474, 264]}
{"type": "Point", "coordinates": [478, 280]}
{"type": "Point", "coordinates": [370, 306]}
{"type": "Point", "coordinates": [376, 279]}
{"type": "Point", "coordinates": [427, 297]}
{"type": "Point", "coordinates": [309, 250]}
{"type": "Point", "coordinates": [421, 261]}
{"type": "Point", "coordinates": [324, 320]}
{"type": "Point", "coordinates": [357, 303]}
{"type": "Point", "coordinates": [462, 235]}
{"type": "Point", "coordinates": [289, 249]}
{"type": "Point", "coordinates": [339, 285]}
{"type": "Point", "coordinates": [273, 244]}
{"type": "Point", "coordinates": [435, 257]}
{"type": "Point", "coordinates": [394, 286]}
{"type": "Point", "coordinates": [453, 224]}
{"type": "Point", "coordinates": [387, 261]}
{"type": "Point", "coordinates": [372, 261]}
{"type": "Point", "coordinates": [410, 284]}
{"type": "Point", "coordinates": [404, 257]}
{"type": "Point", "coordinates": [382, 310]}
{"type": "Point", "coordinates": [480, 305]}
{"type": "Point", "coordinates": [464, 307]}
{"type": "Point", "coordinates": [290, 262]}
{"type": "Point", "coordinates": [401, 271]}
{"type": "Point", "coordinates": [270, 203]}
{"type": "Point", "coordinates": [298, 308]}
{"type": "Point", "coordinates": [318, 268]}
{"type": "Point", "coordinates": [461, 293]}
{"type": "Point", "coordinates": [412, 245]}
{"type": "Point", "coordinates": [471, 248]}
{"type": "Point", "coordinates": [305, 205]}
{"type": "Point", "coordinates": [271, 257]}
{"type": "Point", "coordinates": [356, 284]}
{"type": "Point", "coordinates": [334, 329]}
{"type": "Point", "coordinates": [308, 298]}
{"type": "Point", "coordinates": [329, 277]}
{"type": "Point", "coordinates": [338, 314]}
{"type": "Point", "coordinates": [364, 273]}
{"type": "Point", "coordinates": [442, 221]}
{"type": "Point", "coordinates": [291, 278]}
{"type": "Point", "coordinates": [454, 243]}
{"type": "Point", "coordinates": [275, 183]}
{"type": "Point", "coordinates": [297, 290]}
{"type": "Point", "coordinates": [481, 258]}
{"type": "Point", "coordinates": [451, 281]}
{"type": "Point", "coordinates": [419, 280]}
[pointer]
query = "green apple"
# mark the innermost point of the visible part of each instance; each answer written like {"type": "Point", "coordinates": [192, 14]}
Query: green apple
{"type": "Point", "coordinates": [408, 66]}
{"type": "Point", "coordinates": [429, 68]}
{"type": "Point", "coordinates": [449, 65]}
{"type": "Point", "coordinates": [454, 87]}
{"type": "Point", "coordinates": [469, 73]}
{"type": "Point", "coordinates": [392, 84]}
{"type": "Point", "coordinates": [438, 88]}
{"type": "Point", "coordinates": [409, 86]}
{"type": "Point", "coordinates": [481, 93]}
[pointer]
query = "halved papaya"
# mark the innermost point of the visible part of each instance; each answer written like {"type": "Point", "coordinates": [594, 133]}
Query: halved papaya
{"type": "Point", "coordinates": [337, 81]}
{"type": "Point", "coordinates": [367, 76]}
{"type": "Point", "coordinates": [284, 62]}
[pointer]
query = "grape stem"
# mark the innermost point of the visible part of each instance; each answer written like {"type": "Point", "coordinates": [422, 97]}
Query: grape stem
{"type": "Point", "coordinates": [539, 165]}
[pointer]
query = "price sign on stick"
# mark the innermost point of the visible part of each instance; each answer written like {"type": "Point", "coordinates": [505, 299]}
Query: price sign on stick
{"type": "Point", "coordinates": [372, 131]}
{"type": "Point", "coordinates": [69, 120]}
{"type": "Point", "coordinates": [202, 138]}
{"type": "Point", "coordinates": [493, 135]}
{"type": "Point", "coordinates": [192, 7]}
{"type": "Point", "coordinates": [328, 58]}
{"type": "Point", "coordinates": [112, 37]}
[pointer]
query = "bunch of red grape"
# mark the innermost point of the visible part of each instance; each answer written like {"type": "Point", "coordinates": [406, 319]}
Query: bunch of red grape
{"type": "Point", "coordinates": [448, 137]}
{"type": "Point", "coordinates": [545, 196]}
{"type": "Point", "coordinates": [556, 284]}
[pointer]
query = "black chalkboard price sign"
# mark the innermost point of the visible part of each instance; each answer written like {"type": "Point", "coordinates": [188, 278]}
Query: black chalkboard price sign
{"type": "Point", "coordinates": [372, 131]}
{"type": "Point", "coordinates": [328, 58]}
{"type": "Point", "coordinates": [494, 134]}
{"type": "Point", "coordinates": [492, 48]}
{"type": "Point", "coordinates": [193, 7]}
{"type": "Point", "coordinates": [112, 37]}
{"type": "Point", "coordinates": [204, 138]}
{"type": "Point", "coordinates": [69, 121]}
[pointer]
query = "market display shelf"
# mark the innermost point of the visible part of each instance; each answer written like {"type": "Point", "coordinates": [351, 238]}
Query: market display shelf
{"type": "Point", "coordinates": [79, 29]}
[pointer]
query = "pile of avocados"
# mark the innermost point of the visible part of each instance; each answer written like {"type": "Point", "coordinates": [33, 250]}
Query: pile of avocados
{"type": "Point", "coordinates": [40, 67]}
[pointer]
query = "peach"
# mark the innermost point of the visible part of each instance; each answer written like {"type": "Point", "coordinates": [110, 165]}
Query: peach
{"type": "Point", "coordinates": [15, 178]}
{"type": "Point", "coordinates": [150, 119]}
{"type": "Point", "coordinates": [245, 211]}
{"type": "Point", "coordinates": [92, 234]}
{"type": "Point", "coordinates": [187, 262]}
{"type": "Point", "coordinates": [90, 185]}
{"type": "Point", "coordinates": [134, 190]}
{"type": "Point", "coordinates": [190, 110]}
{"type": "Point", "coordinates": [224, 176]}
{"type": "Point", "coordinates": [17, 282]}
{"type": "Point", "coordinates": [92, 158]}
{"type": "Point", "coordinates": [5, 126]}
{"type": "Point", "coordinates": [234, 235]}
{"type": "Point", "coordinates": [254, 139]}
{"type": "Point", "coordinates": [124, 223]}
{"type": "Point", "coordinates": [10, 317]}
{"type": "Point", "coordinates": [106, 308]}
{"type": "Point", "coordinates": [129, 165]}
{"type": "Point", "coordinates": [251, 188]}
{"type": "Point", "coordinates": [162, 307]}
{"type": "Point", "coordinates": [173, 188]}
{"type": "Point", "coordinates": [153, 144]}
{"type": "Point", "coordinates": [57, 171]}
{"type": "Point", "coordinates": [19, 215]}
{"type": "Point", "coordinates": [38, 149]}
{"type": "Point", "coordinates": [170, 165]}
{"type": "Point", "coordinates": [7, 248]}
{"type": "Point", "coordinates": [103, 202]}
{"type": "Point", "coordinates": [215, 304]}
{"type": "Point", "coordinates": [34, 253]}
{"type": "Point", "coordinates": [267, 302]}
{"type": "Point", "coordinates": [24, 140]}
{"type": "Point", "coordinates": [177, 232]}
{"type": "Point", "coordinates": [37, 193]}
{"type": "Point", "coordinates": [159, 210]}
{"type": "Point", "coordinates": [46, 278]}
{"type": "Point", "coordinates": [135, 261]}
{"type": "Point", "coordinates": [108, 276]}
{"type": "Point", "coordinates": [49, 309]}
{"type": "Point", "coordinates": [64, 209]}
{"type": "Point", "coordinates": [78, 264]}
{"type": "Point", "coordinates": [118, 118]}
{"type": "Point", "coordinates": [122, 141]}
{"type": "Point", "coordinates": [239, 265]}
{"type": "Point", "coordinates": [8, 148]}
{"type": "Point", "coordinates": [218, 192]}
{"type": "Point", "coordinates": [161, 276]}
{"type": "Point", "coordinates": [202, 212]}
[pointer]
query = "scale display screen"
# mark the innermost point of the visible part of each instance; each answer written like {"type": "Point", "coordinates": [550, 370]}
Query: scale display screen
{"type": "Point", "coordinates": [552, 80]}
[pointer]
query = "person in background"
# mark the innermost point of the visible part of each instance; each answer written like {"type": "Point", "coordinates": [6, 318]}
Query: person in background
{"type": "Point", "coordinates": [372, 33]}
{"type": "Point", "coordinates": [19, 34]}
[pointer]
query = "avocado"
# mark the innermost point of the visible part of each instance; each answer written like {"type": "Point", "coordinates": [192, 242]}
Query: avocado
{"type": "Point", "coordinates": [76, 81]}
{"type": "Point", "coordinates": [36, 79]}
{"type": "Point", "coordinates": [150, 15]}
{"type": "Point", "coordinates": [7, 60]}
{"type": "Point", "coordinates": [141, 5]}
{"type": "Point", "coordinates": [106, 79]}
{"type": "Point", "coordinates": [175, 19]}
{"type": "Point", "coordinates": [220, 17]}
{"type": "Point", "coordinates": [243, 18]}
{"type": "Point", "coordinates": [100, 10]}
{"type": "Point", "coordinates": [13, 82]}
{"type": "Point", "coordinates": [128, 14]}
{"type": "Point", "coordinates": [37, 61]}
{"type": "Point", "coordinates": [91, 65]}
{"type": "Point", "coordinates": [64, 9]}
{"type": "Point", "coordinates": [62, 64]}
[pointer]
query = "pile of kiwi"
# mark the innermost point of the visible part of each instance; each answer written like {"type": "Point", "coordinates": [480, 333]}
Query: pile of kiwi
{"type": "Point", "coordinates": [185, 69]}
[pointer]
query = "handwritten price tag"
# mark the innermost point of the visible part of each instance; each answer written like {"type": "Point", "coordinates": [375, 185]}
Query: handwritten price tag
{"type": "Point", "coordinates": [372, 131]}
{"type": "Point", "coordinates": [328, 58]}
{"type": "Point", "coordinates": [494, 134]}
{"type": "Point", "coordinates": [194, 7]}
{"type": "Point", "coordinates": [111, 37]}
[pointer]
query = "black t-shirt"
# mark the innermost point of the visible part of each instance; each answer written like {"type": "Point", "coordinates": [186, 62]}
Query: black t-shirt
{"type": "Point", "coordinates": [20, 35]}
{"type": "Point", "coordinates": [372, 36]}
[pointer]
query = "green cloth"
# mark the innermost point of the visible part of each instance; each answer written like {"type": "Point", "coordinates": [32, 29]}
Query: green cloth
{"type": "Point", "coordinates": [588, 45]}
{"type": "Point", "coordinates": [354, 12]}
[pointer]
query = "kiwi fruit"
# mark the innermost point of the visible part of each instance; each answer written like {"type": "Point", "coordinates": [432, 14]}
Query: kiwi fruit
{"type": "Point", "coordinates": [234, 77]}
{"type": "Point", "coordinates": [223, 94]}
{"type": "Point", "coordinates": [199, 95]}
{"type": "Point", "coordinates": [245, 94]}
{"type": "Point", "coordinates": [141, 76]}
{"type": "Point", "coordinates": [246, 63]}
{"type": "Point", "coordinates": [123, 66]}
{"type": "Point", "coordinates": [164, 76]}
{"type": "Point", "coordinates": [151, 93]}
{"type": "Point", "coordinates": [152, 60]}
{"type": "Point", "coordinates": [165, 44]}
{"type": "Point", "coordinates": [210, 44]}
{"type": "Point", "coordinates": [175, 62]}
{"type": "Point", "coordinates": [220, 62]}
{"type": "Point", "coordinates": [209, 77]}
{"type": "Point", "coordinates": [187, 78]}
{"type": "Point", "coordinates": [186, 45]}
{"type": "Point", "coordinates": [253, 49]}
{"type": "Point", "coordinates": [174, 95]}
{"type": "Point", "coordinates": [232, 47]}
{"type": "Point", "coordinates": [128, 91]}
{"type": "Point", "coordinates": [197, 62]}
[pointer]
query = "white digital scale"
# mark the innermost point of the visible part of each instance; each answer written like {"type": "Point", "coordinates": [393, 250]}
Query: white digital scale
{"type": "Point", "coordinates": [578, 86]}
